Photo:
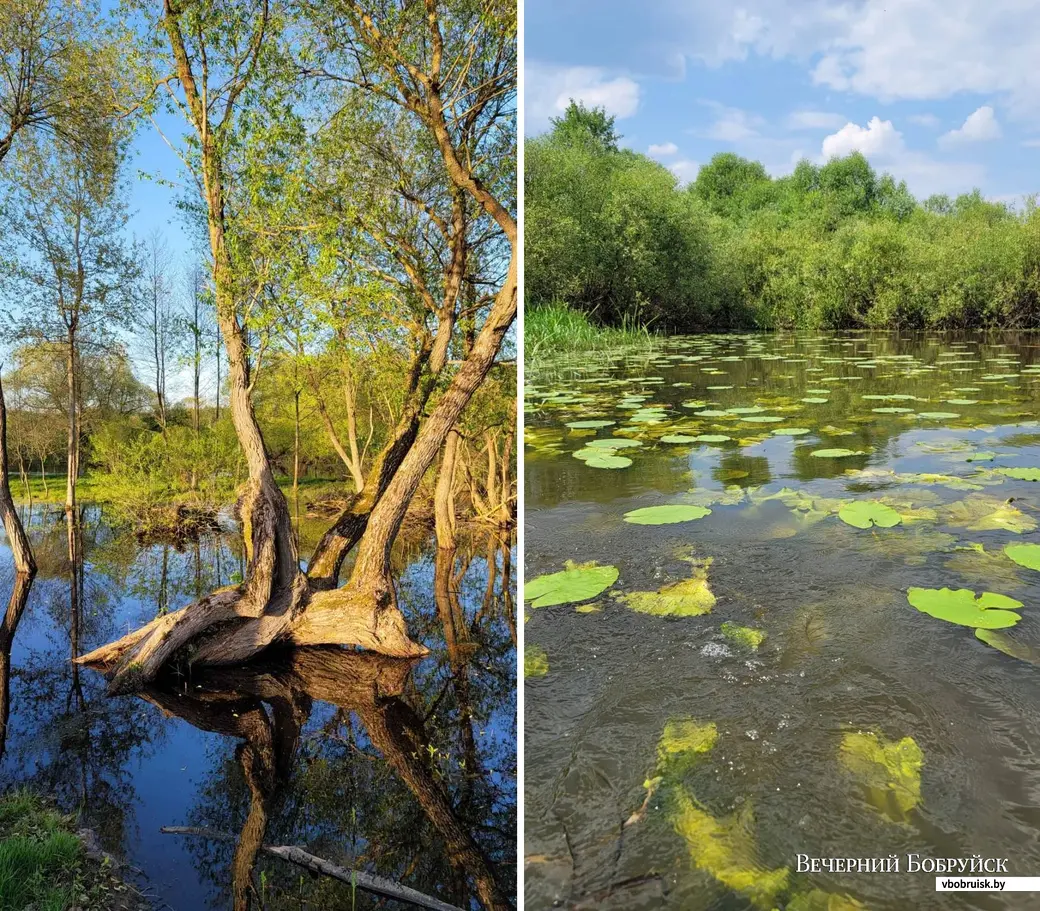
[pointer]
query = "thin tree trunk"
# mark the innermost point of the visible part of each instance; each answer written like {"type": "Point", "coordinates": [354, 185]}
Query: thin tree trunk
{"type": "Point", "coordinates": [72, 451]}
{"type": "Point", "coordinates": [444, 495]}
{"type": "Point", "coordinates": [24, 561]}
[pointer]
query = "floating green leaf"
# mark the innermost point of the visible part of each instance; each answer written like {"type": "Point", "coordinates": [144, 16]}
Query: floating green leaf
{"type": "Point", "coordinates": [1019, 474]}
{"type": "Point", "coordinates": [836, 453]}
{"type": "Point", "coordinates": [589, 425]}
{"type": "Point", "coordinates": [578, 582]}
{"type": "Point", "coordinates": [791, 431]}
{"type": "Point", "coordinates": [678, 438]}
{"type": "Point", "coordinates": [1027, 555]}
{"type": "Point", "coordinates": [713, 438]}
{"type": "Point", "coordinates": [666, 515]}
{"type": "Point", "coordinates": [868, 513]}
{"type": "Point", "coordinates": [961, 606]}
{"type": "Point", "coordinates": [1002, 642]}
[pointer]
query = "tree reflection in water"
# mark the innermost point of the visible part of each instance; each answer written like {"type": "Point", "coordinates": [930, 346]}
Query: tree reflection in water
{"type": "Point", "coordinates": [405, 771]}
{"type": "Point", "coordinates": [399, 756]}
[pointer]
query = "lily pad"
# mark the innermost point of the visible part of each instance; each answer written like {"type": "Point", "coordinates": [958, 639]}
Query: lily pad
{"type": "Point", "coordinates": [666, 515]}
{"type": "Point", "coordinates": [613, 443]}
{"type": "Point", "coordinates": [836, 453]}
{"type": "Point", "coordinates": [868, 513]}
{"type": "Point", "coordinates": [1019, 474]}
{"type": "Point", "coordinates": [578, 582]}
{"type": "Point", "coordinates": [678, 438]}
{"type": "Point", "coordinates": [1027, 555]}
{"type": "Point", "coordinates": [791, 431]}
{"type": "Point", "coordinates": [605, 459]}
{"type": "Point", "coordinates": [589, 425]}
{"type": "Point", "coordinates": [713, 438]}
{"type": "Point", "coordinates": [1002, 642]}
{"type": "Point", "coordinates": [961, 606]}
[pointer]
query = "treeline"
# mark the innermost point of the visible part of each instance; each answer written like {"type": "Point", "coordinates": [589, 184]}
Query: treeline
{"type": "Point", "coordinates": [613, 233]}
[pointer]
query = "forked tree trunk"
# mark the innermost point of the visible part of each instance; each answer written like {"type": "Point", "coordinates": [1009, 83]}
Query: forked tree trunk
{"type": "Point", "coordinates": [371, 576]}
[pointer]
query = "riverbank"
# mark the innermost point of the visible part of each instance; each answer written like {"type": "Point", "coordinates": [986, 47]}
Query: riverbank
{"type": "Point", "coordinates": [46, 864]}
{"type": "Point", "coordinates": [554, 329]}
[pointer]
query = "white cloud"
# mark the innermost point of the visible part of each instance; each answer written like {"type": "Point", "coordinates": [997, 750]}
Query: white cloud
{"type": "Point", "coordinates": [900, 49]}
{"type": "Point", "coordinates": [884, 147]}
{"type": "Point", "coordinates": [980, 126]}
{"type": "Point", "coordinates": [663, 150]}
{"type": "Point", "coordinates": [878, 139]}
{"type": "Point", "coordinates": [549, 89]}
{"type": "Point", "coordinates": [685, 169]}
{"type": "Point", "coordinates": [814, 120]}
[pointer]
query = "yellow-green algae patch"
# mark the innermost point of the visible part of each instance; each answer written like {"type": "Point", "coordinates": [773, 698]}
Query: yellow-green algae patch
{"type": "Point", "coordinates": [747, 636]}
{"type": "Point", "coordinates": [689, 598]}
{"type": "Point", "coordinates": [888, 770]}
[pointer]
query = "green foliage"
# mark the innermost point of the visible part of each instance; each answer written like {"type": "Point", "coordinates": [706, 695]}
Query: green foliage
{"type": "Point", "coordinates": [611, 232]}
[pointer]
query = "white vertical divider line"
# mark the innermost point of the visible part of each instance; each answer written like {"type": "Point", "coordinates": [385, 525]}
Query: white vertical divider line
{"type": "Point", "coordinates": [519, 450]}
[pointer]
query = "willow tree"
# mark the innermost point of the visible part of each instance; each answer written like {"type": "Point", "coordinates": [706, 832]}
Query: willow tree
{"type": "Point", "coordinates": [449, 70]}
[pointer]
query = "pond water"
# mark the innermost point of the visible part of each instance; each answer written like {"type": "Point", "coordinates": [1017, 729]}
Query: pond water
{"type": "Point", "coordinates": [402, 769]}
{"type": "Point", "coordinates": [676, 758]}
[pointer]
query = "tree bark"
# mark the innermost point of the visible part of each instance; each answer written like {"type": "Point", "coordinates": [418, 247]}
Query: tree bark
{"type": "Point", "coordinates": [24, 561]}
{"type": "Point", "coordinates": [371, 575]}
{"type": "Point", "coordinates": [444, 496]}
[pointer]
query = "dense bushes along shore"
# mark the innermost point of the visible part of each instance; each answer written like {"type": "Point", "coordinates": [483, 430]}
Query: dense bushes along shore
{"type": "Point", "coordinates": [612, 232]}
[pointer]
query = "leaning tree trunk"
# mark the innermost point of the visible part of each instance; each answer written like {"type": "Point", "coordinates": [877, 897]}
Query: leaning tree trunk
{"type": "Point", "coordinates": [16, 537]}
{"type": "Point", "coordinates": [371, 578]}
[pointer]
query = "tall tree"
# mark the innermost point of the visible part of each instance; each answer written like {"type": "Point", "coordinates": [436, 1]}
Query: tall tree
{"type": "Point", "coordinates": [73, 275]}
{"type": "Point", "coordinates": [157, 318]}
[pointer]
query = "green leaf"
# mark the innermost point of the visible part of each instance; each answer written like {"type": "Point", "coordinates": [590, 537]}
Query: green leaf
{"type": "Point", "coordinates": [868, 513]}
{"type": "Point", "coordinates": [589, 425]}
{"type": "Point", "coordinates": [578, 582]}
{"type": "Point", "coordinates": [961, 606]}
{"type": "Point", "coordinates": [1027, 555]}
{"type": "Point", "coordinates": [836, 453]}
{"type": "Point", "coordinates": [1019, 474]}
{"type": "Point", "coordinates": [666, 515]}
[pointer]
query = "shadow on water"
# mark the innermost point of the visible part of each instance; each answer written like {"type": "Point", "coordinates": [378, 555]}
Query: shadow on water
{"type": "Point", "coordinates": [402, 770]}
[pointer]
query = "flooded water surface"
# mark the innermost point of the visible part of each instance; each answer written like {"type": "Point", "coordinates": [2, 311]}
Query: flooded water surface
{"type": "Point", "coordinates": [402, 769]}
{"type": "Point", "coordinates": [826, 642]}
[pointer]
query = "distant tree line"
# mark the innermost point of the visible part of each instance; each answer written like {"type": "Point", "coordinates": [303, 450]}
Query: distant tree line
{"type": "Point", "coordinates": [613, 233]}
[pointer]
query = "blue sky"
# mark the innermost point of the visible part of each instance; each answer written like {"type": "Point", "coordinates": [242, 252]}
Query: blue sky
{"type": "Point", "coordinates": [945, 95]}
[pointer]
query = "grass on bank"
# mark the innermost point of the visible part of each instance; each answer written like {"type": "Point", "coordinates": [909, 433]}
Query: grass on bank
{"type": "Point", "coordinates": [555, 329]}
{"type": "Point", "coordinates": [44, 865]}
